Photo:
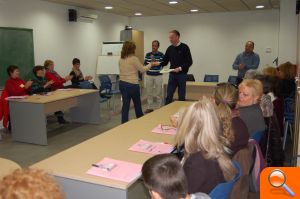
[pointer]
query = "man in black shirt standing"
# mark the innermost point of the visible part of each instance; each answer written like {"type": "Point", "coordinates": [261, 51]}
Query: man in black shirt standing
{"type": "Point", "coordinates": [180, 58]}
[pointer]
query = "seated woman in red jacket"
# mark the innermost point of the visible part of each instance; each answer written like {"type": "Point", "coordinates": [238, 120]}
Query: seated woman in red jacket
{"type": "Point", "coordinates": [15, 86]}
{"type": "Point", "coordinates": [52, 75]}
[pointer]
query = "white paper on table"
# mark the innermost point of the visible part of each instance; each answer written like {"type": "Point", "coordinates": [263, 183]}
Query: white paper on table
{"type": "Point", "coordinates": [16, 97]}
{"type": "Point", "coordinates": [166, 70]}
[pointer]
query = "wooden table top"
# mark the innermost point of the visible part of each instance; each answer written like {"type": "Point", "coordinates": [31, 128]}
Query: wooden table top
{"type": "Point", "coordinates": [55, 96]}
{"type": "Point", "coordinates": [7, 167]}
{"type": "Point", "coordinates": [74, 162]}
{"type": "Point", "coordinates": [212, 84]}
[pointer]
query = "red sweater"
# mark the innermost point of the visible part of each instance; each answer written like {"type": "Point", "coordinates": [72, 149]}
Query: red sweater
{"type": "Point", "coordinates": [58, 80]}
{"type": "Point", "coordinates": [4, 109]}
{"type": "Point", "coordinates": [15, 87]}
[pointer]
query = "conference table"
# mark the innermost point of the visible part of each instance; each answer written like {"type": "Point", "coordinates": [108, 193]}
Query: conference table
{"type": "Point", "coordinates": [7, 167]}
{"type": "Point", "coordinates": [70, 166]}
{"type": "Point", "coordinates": [29, 115]}
{"type": "Point", "coordinates": [194, 90]}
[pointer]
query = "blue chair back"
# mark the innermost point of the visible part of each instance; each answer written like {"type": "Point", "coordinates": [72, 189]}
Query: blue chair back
{"type": "Point", "coordinates": [223, 190]}
{"type": "Point", "coordinates": [232, 79]}
{"type": "Point", "coordinates": [85, 85]}
{"type": "Point", "coordinates": [289, 109]}
{"type": "Point", "coordinates": [257, 136]}
{"type": "Point", "coordinates": [211, 78]}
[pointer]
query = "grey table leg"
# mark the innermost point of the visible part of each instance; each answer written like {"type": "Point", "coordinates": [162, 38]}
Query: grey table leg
{"type": "Point", "coordinates": [87, 110]}
{"type": "Point", "coordinates": [28, 122]}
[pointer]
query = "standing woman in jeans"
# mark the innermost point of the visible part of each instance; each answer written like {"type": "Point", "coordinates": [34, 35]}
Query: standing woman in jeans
{"type": "Point", "coordinates": [129, 66]}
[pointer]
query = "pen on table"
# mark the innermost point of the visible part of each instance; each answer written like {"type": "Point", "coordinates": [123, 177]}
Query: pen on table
{"type": "Point", "coordinates": [101, 167]}
{"type": "Point", "coordinates": [95, 165]}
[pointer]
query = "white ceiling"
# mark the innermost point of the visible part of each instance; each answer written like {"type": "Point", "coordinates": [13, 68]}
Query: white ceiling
{"type": "Point", "coordinates": [162, 7]}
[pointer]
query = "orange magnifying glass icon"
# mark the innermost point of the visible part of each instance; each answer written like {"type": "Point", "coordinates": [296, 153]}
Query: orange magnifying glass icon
{"type": "Point", "coordinates": [277, 179]}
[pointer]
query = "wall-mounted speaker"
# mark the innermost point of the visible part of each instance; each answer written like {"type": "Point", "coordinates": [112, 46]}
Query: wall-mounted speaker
{"type": "Point", "coordinates": [72, 15]}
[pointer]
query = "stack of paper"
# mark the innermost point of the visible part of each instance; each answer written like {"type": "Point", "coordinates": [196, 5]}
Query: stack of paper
{"type": "Point", "coordinates": [164, 129]}
{"type": "Point", "coordinates": [166, 70]}
{"type": "Point", "coordinates": [16, 97]}
{"type": "Point", "coordinates": [116, 170]}
{"type": "Point", "coordinates": [151, 147]}
{"type": "Point", "coordinates": [65, 89]}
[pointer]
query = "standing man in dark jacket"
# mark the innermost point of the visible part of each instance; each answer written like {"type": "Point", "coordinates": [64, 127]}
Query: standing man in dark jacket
{"type": "Point", "coordinates": [180, 58]}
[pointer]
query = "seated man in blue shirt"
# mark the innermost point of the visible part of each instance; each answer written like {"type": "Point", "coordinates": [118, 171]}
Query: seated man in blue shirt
{"type": "Point", "coordinates": [246, 60]}
{"type": "Point", "coordinates": [154, 79]}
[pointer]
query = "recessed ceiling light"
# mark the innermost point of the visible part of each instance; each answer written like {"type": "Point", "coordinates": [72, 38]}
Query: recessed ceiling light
{"type": "Point", "coordinates": [108, 7]}
{"type": "Point", "coordinates": [260, 6]}
{"type": "Point", "coordinates": [138, 14]}
{"type": "Point", "coordinates": [173, 2]}
{"type": "Point", "coordinates": [194, 10]}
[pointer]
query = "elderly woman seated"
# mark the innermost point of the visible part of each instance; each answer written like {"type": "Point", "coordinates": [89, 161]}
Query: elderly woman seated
{"type": "Point", "coordinates": [250, 93]}
{"type": "Point", "coordinates": [250, 74]}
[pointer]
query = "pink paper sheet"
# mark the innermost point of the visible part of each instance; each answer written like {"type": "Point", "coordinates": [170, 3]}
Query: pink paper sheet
{"type": "Point", "coordinates": [151, 147]}
{"type": "Point", "coordinates": [122, 171]}
{"type": "Point", "coordinates": [164, 129]}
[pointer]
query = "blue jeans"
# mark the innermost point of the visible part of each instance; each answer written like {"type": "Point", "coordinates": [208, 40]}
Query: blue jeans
{"type": "Point", "coordinates": [176, 80]}
{"type": "Point", "coordinates": [130, 91]}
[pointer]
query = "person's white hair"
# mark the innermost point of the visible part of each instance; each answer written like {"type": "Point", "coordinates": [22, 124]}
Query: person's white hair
{"type": "Point", "coordinates": [250, 74]}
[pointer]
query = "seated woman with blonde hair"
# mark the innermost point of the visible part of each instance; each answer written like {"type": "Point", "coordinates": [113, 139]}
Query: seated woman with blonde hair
{"type": "Point", "coordinates": [29, 184]}
{"type": "Point", "coordinates": [206, 162]}
{"type": "Point", "coordinates": [234, 129]}
{"type": "Point", "coordinates": [250, 93]}
{"type": "Point", "coordinates": [52, 75]}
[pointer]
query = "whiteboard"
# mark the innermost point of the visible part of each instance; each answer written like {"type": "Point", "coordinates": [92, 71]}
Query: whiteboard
{"type": "Point", "coordinates": [114, 48]}
{"type": "Point", "coordinates": [108, 65]}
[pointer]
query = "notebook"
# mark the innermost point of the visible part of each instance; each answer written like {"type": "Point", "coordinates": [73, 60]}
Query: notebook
{"type": "Point", "coordinates": [116, 170]}
{"type": "Point", "coordinates": [151, 147]}
{"type": "Point", "coordinates": [164, 129]}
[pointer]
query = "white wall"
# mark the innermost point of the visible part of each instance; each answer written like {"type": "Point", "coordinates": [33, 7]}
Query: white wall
{"type": "Point", "coordinates": [298, 41]}
{"type": "Point", "coordinates": [216, 38]}
{"type": "Point", "coordinates": [288, 31]}
{"type": "Point", "coordinates": [57, 39]}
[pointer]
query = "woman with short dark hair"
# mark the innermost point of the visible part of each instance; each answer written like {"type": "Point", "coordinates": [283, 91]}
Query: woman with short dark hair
{"type": "Point", "coordinates": [78, 80]}
{"type": "Point", "coordinates": [16, 86]}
